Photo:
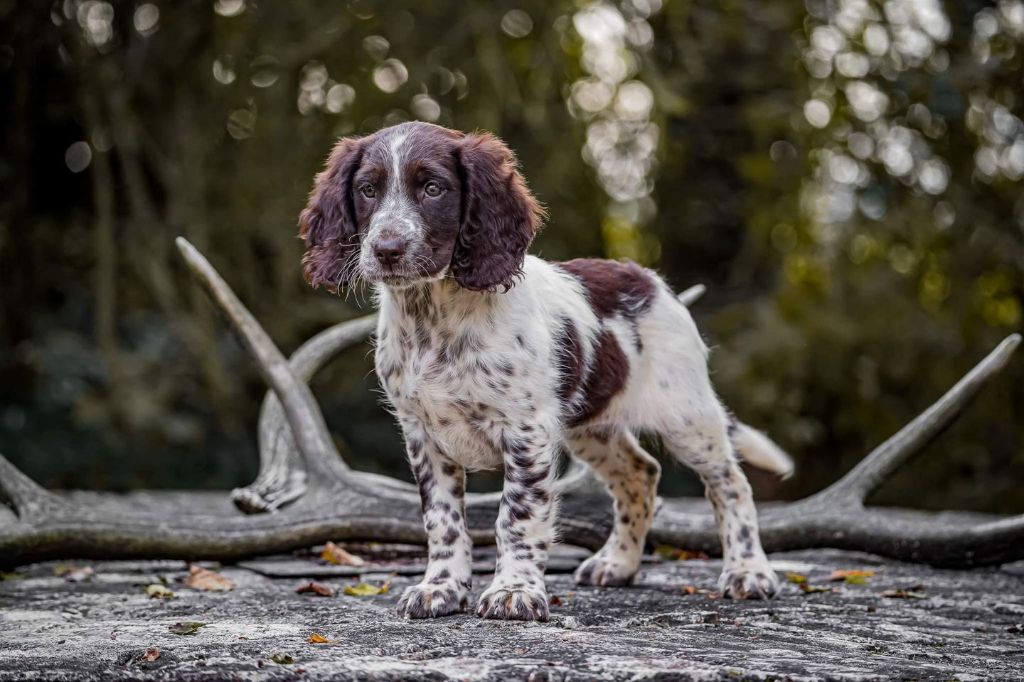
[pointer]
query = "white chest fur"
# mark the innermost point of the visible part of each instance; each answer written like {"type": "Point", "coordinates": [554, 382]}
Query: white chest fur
{"type": "Point", "coordinates": [452, 382]}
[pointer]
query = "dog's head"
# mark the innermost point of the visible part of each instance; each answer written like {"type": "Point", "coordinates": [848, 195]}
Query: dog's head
{"type": "Point", "coordinates": [416, 202]}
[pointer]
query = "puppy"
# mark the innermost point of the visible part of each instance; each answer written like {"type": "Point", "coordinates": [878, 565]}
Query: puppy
{"type": "Point", "coordinates": [492, 358]}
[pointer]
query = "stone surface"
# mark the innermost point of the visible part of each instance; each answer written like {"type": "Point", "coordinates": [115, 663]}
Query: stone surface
{"type": "Point", "coordinates": [970, 624]}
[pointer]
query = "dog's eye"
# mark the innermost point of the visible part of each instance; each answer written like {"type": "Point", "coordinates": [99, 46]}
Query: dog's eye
{"type": "Point", "coordinates": [432, 189]}
{"type": "Point", "coordinates": [368, 191]}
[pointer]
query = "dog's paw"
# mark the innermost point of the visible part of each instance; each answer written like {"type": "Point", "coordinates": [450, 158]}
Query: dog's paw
{"type": "Point", "coordinates": [522, 602]}
{"type": "Point", "coordinates": [603, 571]}
{"type": "Point", "coordinates": [756, 581]}
{"type": "Point", "coordinates": [431, 601]}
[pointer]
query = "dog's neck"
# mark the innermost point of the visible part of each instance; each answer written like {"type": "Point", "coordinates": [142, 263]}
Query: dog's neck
{"type": "Point", "coordinates": [438, 303]}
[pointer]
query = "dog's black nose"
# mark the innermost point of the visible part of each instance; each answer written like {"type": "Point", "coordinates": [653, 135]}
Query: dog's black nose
{"type": "Point", "coordinates": [389, 251]}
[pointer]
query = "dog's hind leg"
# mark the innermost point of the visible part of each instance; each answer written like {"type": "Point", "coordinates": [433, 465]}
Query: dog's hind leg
{"type": "Point", "coordinates": [632, 479]}
{"type": "Point", "coordinates": [699, 438]}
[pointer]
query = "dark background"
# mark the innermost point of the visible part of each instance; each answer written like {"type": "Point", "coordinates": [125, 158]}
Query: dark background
{"type": "Point", "coordinates": [845, 178]}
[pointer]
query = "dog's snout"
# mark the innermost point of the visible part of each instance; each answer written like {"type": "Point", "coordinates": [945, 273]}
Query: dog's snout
{"type": "Point", "coordinates": [389, 251]}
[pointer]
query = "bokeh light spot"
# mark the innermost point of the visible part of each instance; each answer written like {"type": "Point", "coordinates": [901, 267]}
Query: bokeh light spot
{"type": "Point", "coordinates": [390, 75]}
{"type": "Point", "coordinates": [426, 108]}
{"type": "Point", "coordinates": [817, 113]}
{"type": "Point", "coordinates": [229, 8]}
{"type": "Point", "coordinates": [146, 18]}
{"type": "Point", "coordinates": [516, 23]}
{"type": "Point", "coordinates": [78, 156]}
{"type": "Point", "coordinates": [264, 71]}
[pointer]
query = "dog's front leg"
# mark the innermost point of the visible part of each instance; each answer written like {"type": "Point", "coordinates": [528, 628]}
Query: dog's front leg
{"type": "Point", "coordinates": [442, 483]}
{"type": "Point", "coordinates": [524, 530]}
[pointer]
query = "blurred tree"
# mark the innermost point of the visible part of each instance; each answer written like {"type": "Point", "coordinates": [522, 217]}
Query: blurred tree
{"type": "Point", "coordinates": [845, 176]}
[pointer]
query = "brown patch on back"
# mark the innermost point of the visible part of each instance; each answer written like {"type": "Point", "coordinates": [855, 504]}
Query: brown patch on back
{"type": "Point", "coordinates": [613, 287]}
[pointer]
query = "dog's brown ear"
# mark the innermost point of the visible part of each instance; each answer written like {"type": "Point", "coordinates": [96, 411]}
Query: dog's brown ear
{"type": "Point", "coordinates": [328, 223]}
{"type": "Point", "coordinates": [499, 216]}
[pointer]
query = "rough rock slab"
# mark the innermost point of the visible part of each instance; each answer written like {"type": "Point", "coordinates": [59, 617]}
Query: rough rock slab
{"type": "Point", "coordinates": [969, 625]}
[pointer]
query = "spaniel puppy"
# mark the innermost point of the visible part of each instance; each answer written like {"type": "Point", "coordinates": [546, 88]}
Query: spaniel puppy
{"type": "Point", "coordinates": [492, 358]}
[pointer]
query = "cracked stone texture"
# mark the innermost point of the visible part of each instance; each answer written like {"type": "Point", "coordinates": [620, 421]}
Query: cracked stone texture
{"type": "Point", "coordinates": [969, 625]}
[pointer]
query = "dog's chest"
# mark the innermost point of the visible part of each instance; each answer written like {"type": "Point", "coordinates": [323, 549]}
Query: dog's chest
{"type": "Point", "coordinates": [450, 383]}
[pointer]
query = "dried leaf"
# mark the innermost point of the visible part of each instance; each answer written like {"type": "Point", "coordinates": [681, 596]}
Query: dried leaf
{"type": "Point", "coordinates": [333, 554]}
{"type": "Point", "coordinates": [186, 628]}
{"type": "Point", "coordinates": [317, 638]}
{"type": "Point", "coordinates": [10, 575]}
{"type": "Point", "coordinates": [282, 659]}
{"type": "Point", "coordinates": [555, 600]}
{"type": "Point", "coordinates": [366, 589]}
{"type": "Point", "coordinates": [676, 554]}
{"type": "Point", "coordinates": [207, 581]}
{"type": "Point", "coordinates": [814, 589]}
{"type": "Point", "coordinates": [797, 578]}
{"type": "Point", "coordinates": [689, 589]}
{"type": "Point", "coordinates": [851, 577]}
{"type": "Point", "coordinates": [72, 573]}
{"type": "Point", "coordinates": [158, 591]}
{"type": "Point", "coordinates": [150, 655]}
{"type": "Point", "coordinates": [313, 587]}
{"type": "Point", "coordinates": [903, 594]}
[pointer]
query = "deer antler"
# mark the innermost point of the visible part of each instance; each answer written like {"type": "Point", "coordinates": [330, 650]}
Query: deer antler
{"type": "Point", "coordinates": [317, 497]}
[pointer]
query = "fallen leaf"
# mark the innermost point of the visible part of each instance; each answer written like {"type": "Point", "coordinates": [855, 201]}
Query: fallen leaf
{"type": "Point", "coordinates": [10, 575]}
{"type": "Point", "coordinates": [903, 594]}
{"type": "Point", "coordinates": [186, 628]}
{"type": "Point", "coordinates": [689, 589]}
{"type": "Point", "coordinates": [150, 655]}
{"type": "Point", "coordinates": [313, 587]}
{"type": "Point", "coordinates": [797, 578]}
{"type": "Point", "coordinates": [317, 638]}
{"type": "Point", "coordinates": [72, 573]}
{"type": "Point", "coordinates": [282, 659]}
{"type": "Point", "coordinates": [676, 554]}
{"type": "Point", "coordinates": [79, 575]}
{"type": "Point", "coordinates": [555, 600]}
{"type": "Point", "coordinates": [851, 577]}
{"type": "Point", "coordinates": [158, 591]}
{"type": "Point", "coordinates": [333, 554]}
{"type": "Point", "coordinates": [206, 580]}
{"type": "Point", "coordinates": [366, 589]}
{"type": "Point", "coordinates": [814, 589]}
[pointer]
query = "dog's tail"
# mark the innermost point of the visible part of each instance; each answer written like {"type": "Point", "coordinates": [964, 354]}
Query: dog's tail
{"type": "Point", "coordinates": [759, 450]}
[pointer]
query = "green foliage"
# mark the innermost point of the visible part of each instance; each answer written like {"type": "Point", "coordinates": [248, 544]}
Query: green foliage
{"type": "Point", "coordinates": [844, 176]}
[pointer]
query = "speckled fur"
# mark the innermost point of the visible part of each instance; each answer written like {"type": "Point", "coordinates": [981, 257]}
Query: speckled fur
{"type": "Point", "coordinates": [507, 365]}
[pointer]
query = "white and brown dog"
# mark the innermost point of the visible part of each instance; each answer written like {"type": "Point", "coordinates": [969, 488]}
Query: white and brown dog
{"type": "Point", "coordinates": [493, 358]}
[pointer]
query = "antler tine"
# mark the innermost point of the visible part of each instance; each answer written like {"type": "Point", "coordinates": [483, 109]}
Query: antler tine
{"type": "Point", "coordinates": [24, 495]}
{"type": "Point", "coordinates": [874, 469]}
{"type": "Point", "coordinates": [300, 407]}
{"type": "Point", "coordinates": [282, 477]}
{"type": "Point", "coordinates": [689, 296]}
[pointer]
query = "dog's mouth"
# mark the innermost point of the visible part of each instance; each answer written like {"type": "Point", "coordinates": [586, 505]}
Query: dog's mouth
{"type": "Point", "coordinates": [398, 280]}
{"type": "Point", "coordinates": [401, 277]}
